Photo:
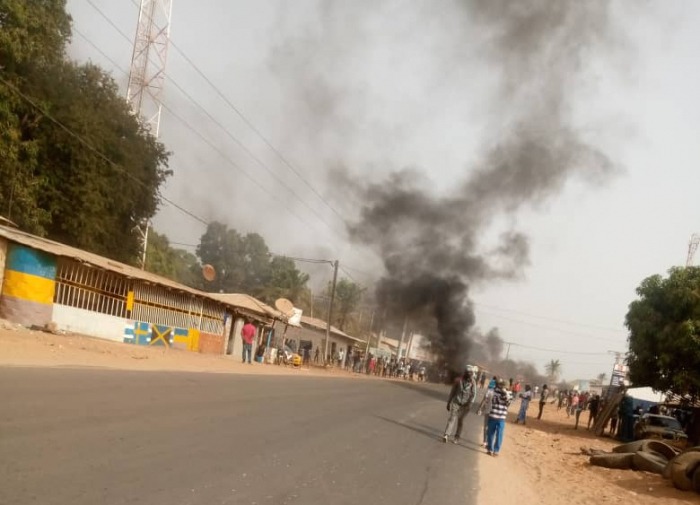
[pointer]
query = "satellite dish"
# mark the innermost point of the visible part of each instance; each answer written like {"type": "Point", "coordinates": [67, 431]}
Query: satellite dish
{"type": "Point", "coordinates": [284, 306]}
{"type": "Point", "coordinates": [208, 272]}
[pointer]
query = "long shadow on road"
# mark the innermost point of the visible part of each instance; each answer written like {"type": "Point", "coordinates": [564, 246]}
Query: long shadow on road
{"type": "Point", "coordinates": [428, 431]}
{"type": "Point", "coordinates": [431, 390]}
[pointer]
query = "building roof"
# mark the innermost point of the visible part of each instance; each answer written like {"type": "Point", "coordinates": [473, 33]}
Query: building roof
{"type": "Point", "coordinates": [322, 325]}
{"type": "Point", "coordinates": [249, 303]}
{"type": "Point", "coordinates": [246, 302]}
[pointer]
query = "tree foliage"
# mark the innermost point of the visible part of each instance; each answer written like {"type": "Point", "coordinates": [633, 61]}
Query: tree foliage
{"type": "Point", "coordinates": [244, 265]}
{"type": "Point", "coordinates": [57, 119]}
{"type": "Point", "coordinates": [664, 326]}
{"type": "Point", "coordinates": [176, 264]}
{"type": "Point", "coordinates": [347, 297]}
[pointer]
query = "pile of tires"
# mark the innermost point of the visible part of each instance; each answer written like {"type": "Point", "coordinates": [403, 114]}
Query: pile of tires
{"type": "Point", "coordinates": [682, 468]}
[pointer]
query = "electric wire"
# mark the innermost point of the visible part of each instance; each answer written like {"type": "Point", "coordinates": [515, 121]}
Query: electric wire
{"type": "Point", "coordinates": [249, 123]}
{"type": "Point", "coordinates": [215, 121]}
{"type": "Point", "coordinates": [551, 328]}
{"type": "Point", "coordinates": [563, 321]}
{"type": "Point", "coordinates": [96, 151]}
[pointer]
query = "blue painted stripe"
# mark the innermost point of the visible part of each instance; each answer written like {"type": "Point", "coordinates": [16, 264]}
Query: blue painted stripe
{"type": "Point", "coordinates": [30, 261]}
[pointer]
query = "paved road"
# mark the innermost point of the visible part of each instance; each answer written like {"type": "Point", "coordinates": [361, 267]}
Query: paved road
{"type": "Point", "coordinates": [95, 436]}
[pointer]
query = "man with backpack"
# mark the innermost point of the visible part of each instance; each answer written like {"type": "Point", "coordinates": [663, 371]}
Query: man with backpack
{"type": "Point", "coordinates": [461, 397]}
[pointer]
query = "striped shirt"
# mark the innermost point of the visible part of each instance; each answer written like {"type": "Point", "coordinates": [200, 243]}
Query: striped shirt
{"type": "Point", "coordinates": [499, 404]}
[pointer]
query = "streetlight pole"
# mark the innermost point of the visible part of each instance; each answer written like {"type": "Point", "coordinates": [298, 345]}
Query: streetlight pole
{"type": "Point", "coordinates": [330, 310]}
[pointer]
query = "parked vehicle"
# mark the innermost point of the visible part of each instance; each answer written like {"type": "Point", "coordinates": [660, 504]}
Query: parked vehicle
{"type": "Point", "coordinates": [660, 427]}
{"type": "Point", "coordinates": [288, 357]}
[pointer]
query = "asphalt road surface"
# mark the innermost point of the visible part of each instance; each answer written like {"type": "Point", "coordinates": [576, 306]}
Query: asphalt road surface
{"type": "Point", "coordinates": [96, 436]}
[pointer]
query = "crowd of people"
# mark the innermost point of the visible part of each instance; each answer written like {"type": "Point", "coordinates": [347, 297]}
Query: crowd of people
{"type": "Point", "coordinates": [497, 396]}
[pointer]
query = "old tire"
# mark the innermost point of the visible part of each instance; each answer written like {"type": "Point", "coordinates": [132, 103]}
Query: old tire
{"type": "Point", "coordinates": [682, 468]}
{"type": "Point", "coordinates": [662, 448]}
{"type": "Point", "coordinates": [649, 462]}
{"type": "Point", "coordinates": [667, 470]}
{"type": "Point", "coordinates": [635, 446]}
{"type": "Point", "coordinates": [696, 480]}
{"type": "Point", "coordinates": [618, 461]}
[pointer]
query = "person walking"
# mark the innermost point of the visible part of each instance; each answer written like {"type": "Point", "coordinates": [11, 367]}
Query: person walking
{"type": "Point", "coordinates": [497, 418]}
{"type": "Point", "coordinates": [525, 398]}
{"type": "Point", "coordinates": [461, 397]}
{"type": "Point", "coordinates": [543, 400]}
{"type": "Point", "coordinates": [248, 334]}
{"type": "Point", "coordinates": [485, 409]}
{"type": "Point", "coordinates": [593, 408]}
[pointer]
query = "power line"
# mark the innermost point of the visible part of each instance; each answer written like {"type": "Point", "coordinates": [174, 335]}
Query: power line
{"type": "Point", "coordinates": [550, 328]}
{"type": "Point", "coordinates": [215, 121]}
{"type": "Point", "coordinates": [574, 323]}
{"type": "Point", "coordinates": [251, 126]}
{"type": "Point", "coordinates": [90, 147]}
{"type": "Point", "coordinates": [557, 351]}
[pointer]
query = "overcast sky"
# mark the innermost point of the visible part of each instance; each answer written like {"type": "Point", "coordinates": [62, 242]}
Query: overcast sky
{"type": "Point", "coordinates": [372, 87]}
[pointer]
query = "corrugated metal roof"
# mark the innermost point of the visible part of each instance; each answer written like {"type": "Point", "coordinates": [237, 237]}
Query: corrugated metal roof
{"type": "Point", "coordinates": [322, 325]}
{"type": "Point", "coordinates": [49, 246]}
{"type": "Point", "coordinates": [249, 303]}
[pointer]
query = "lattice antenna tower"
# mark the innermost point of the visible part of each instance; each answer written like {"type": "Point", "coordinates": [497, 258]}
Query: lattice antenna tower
{"type": "Point", "coordinates": [692, 247]}
{"type": "Point", "coordinates": [147, 74]}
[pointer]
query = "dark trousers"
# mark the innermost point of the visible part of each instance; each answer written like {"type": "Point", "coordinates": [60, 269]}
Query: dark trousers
{"type": "Point", "coordinates": [539, 416]}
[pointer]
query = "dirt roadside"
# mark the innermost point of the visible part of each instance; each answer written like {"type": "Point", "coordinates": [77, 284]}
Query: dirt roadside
{"type": "Point", "coordinates": [540, 463]}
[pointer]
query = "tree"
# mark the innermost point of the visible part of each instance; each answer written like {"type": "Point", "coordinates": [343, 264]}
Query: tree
{"type": "Point", "coordinates": [347, 297]}
{"type": "Point", "coordinates": [601, 377]}
{"type": "Point", "coordinates": [33, 35]}
{"type": "Point", "coordinates": [664, 339]}
{"type": "Point", "coordinates": [244, 265]}
{"type": "Point", "coordinates": [553, 369]}
{"type": "Point", "coordinates": [176, 264]}
{"type": "Point", "coordinates": [285, 281]}
{"type": "Point", "coordinates": [58, 122]}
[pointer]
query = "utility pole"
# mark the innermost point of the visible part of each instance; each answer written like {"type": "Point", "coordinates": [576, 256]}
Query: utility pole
{"type": "Point", "coordinates": [507, 350]}
{"type": "Point", "coordinates": [403, 336]}
{"type": "Point", "coordinates": [692, 247]}
{"type": "Point", "coordinates": [147, 74]}
{"type": "Point", "coordinates": [330, 310]}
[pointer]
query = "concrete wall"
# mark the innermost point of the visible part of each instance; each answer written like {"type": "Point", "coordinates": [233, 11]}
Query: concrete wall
{"type": "Point", "coordinates": [3, 256]}
{"type": "Point", "coordinates": [89, 323]}
{"type": "Point", "coordinates": [210, 343]}
{"type": "Point", "coordinates": [236, 336]}
{"type": "Point", "coordinates": [28, 286]}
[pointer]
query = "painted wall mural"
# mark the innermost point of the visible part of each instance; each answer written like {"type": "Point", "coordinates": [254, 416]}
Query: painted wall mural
{"type": "Point", "coordinates": [28, 286]}
{"type": "Point", "coordinates": [143, 333]}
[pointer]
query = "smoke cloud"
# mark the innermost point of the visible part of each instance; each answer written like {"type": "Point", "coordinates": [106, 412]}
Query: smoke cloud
{"type": "Point", "coordinates": [432, 244]}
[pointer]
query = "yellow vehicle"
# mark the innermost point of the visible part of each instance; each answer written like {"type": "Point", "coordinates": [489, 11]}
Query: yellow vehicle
{"type": "Point", "coordinates": [288, 357]}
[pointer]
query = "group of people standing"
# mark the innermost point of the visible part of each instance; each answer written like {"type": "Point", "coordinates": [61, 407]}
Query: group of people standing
{"type": "Point", "coordinates": [493, 406]}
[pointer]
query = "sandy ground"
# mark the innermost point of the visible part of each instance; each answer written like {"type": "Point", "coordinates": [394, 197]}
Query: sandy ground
{"type": "Point", "coordinates": [540, 463]}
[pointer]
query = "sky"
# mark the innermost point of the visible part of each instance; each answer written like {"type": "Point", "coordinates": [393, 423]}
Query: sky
{"type": "Point", "coordinates": [369, 88]}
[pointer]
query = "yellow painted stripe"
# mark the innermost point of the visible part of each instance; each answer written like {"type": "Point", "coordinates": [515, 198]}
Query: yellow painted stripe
{"type": "Point", "coordinates": [130, 301]}
{"type": "Point", "coordinates": [28, 287]}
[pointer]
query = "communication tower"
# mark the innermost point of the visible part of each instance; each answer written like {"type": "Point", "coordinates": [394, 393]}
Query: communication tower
{"type": "Point", "coordinates": [147, 74]}
{"type": "Point", "coordinates": [692, 247]}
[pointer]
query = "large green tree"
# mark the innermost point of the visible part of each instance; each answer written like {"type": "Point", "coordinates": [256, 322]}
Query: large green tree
{"type": "Point", "coordinates": [285, 281]}
{"type": "Point", "coordinates": [243, 264]}
{"type": "Point", "coordinates": [176, 264]}
{"type": "Point", "coordinates": [664, 326]}
{"type": "Point", "coordinates": [347, 297]}
{"type": "Point", "coordinates": [75, 164]}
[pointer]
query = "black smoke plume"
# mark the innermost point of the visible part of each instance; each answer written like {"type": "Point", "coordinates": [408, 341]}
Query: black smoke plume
{"type": "Point", "coordinates": [431, 245]}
